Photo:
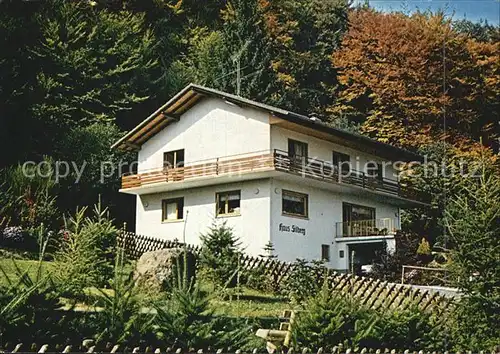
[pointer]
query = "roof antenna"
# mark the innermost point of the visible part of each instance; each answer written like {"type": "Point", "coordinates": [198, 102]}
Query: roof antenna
{"type": "Point", "coordinates": [237, 59]}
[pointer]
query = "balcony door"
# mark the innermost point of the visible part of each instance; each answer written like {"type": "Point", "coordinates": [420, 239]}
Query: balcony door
{"type": "Point", "coordinates": [357, 220]}
{"type": "Point", "coordinates": [173, 164]}
{"type": "Point", "coordinates": [297, 153]}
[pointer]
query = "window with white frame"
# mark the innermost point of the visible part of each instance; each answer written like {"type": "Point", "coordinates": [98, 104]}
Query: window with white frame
{"type": "Point", "coordinates": [228, 203]}
{"type": "Point", "coordinates": [173, 159]}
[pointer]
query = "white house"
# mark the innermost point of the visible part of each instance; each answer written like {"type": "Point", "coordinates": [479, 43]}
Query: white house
{"type": "Point", "coordinates": [314, 191]}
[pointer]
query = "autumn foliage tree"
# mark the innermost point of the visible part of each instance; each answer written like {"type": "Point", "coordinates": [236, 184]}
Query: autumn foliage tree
{"type": "Point", "coordinates": [401, 75]}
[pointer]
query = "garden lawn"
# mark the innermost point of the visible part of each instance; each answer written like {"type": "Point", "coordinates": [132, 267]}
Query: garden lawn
{"type": "Point", "coordinates": [10, 267]}
{"type": "Point", "coordinates": [250, 303]}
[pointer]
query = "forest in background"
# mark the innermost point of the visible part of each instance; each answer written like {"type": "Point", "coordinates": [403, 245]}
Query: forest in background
{"type": "Point", "coordinates": [75, 75]}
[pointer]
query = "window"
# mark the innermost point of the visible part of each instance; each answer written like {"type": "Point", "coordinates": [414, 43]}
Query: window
{"type": "Point", "coordinates": [374, 169]}
{"type": "Point", "coordinates": [341, 254]}
{"type": "Point", "coordinates": [172, 159]}
{"type": "Point", "coordinates": [228, 203]}
{"type": "Point", "coordinates": [294, 203]}
{"type": "Point", "coordinates": [325, 253]}
{"type": "Point", "coordinates": [353, 212]}
{"type": "Point", "coordinates": [173, 209]}
{"type": "Point", "coordinates": [297, 149]}
{"type": "Point", "coordinates": [341, 161]}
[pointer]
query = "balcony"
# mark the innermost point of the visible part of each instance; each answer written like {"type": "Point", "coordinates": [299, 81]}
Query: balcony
{"type": "Point", "coordinates": [364, 228]}
{"type": "Point", "coordinates": [276, 160]}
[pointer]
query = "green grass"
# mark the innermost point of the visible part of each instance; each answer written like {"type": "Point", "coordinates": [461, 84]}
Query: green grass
{"type": "Point", "coordinates": [8, 266]}
{"type": "Point", "coordinates": [249, 303]}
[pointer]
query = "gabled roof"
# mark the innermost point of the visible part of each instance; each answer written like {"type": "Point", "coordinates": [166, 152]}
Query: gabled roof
{"type": "Point", "coordinates": [171, 112]}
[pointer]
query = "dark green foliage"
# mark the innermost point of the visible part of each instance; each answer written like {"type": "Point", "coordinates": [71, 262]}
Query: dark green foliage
{"type": "Point", "coordinates": [121, 320]}
{"type": "Point", "coordinates": [219, 257]}
{"type": "Point", "coordinates": [389, 265]}
{"type": "Point", "coordinates": [85, 255]}
{"type": "Point", "coordinates": [259, 278]}
{"type": "Point", "coordinates": [482, 30]}
{"type": "Point", "coordinates": [187, 320]}
{"type": "Point", "coordinates": [28, 302]}
{"type": "Point", "coordinates": [304, 34]}
{"type": "Point", "coordinates": [473, 219]}
{"type": "Point", "coordinates": [27, 196]}
{"type": "Point", "coordinates": [331, 319]}
{"type": "Point", "coordinates": [303, 280]}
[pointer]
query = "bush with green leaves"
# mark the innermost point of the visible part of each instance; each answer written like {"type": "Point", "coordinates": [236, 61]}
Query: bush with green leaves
{"type": "Point", "coordinates": [329, 319]}
{"type": "Point", "coordinates": [29, 302]}
{"type": "Point", "coordinates": [220, 255]}
{"type": "Point", "coordinates": [187, 319]}
{"type": "Point", "coordinates": [389, 264]}
{"type": "Point", "coordinates": [303, 280]}
{"type": "Point", "coordinates": [28, 197]}
{"type": "Point", "coordinates": [259, 278]}
{"type": "Point", "coordinates": [473, 220]}
{"type": "Point", "coordinates": [121, 319]}
{"type": "Point", "coordinates": [85, 255]}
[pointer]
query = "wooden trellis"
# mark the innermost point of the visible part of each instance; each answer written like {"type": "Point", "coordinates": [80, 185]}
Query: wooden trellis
{"type": "Point", "coordinates": [370, 292]}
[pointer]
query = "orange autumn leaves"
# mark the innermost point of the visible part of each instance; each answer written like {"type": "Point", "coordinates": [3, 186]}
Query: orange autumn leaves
{"type": "Point", "coordinates": [401, 75]}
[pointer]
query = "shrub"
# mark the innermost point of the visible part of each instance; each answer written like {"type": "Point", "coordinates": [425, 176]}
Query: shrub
{"type": "Point", "coordinates": [121, 319]}
{"type": "Point", "coordinates": [329, 319]}
{"type": "Point", "coordinates": [259, 278]}
{"type": "Point", "coordinates": [26, 198]}
{"type": "Point", "coordinates": [85, 257]}
{"type": "Point", "coordinates": [303, 280]}
{"type": "Point", "coordinates": [390, 264]}
{"type": "Point", "coordinates": [473, 220]}
{"type": "Point", "coordinates": [219, 257]}
{"type": "Point", "coordinates": [187, 319]}
{"type": "Point", "coordinates": [29, 303]}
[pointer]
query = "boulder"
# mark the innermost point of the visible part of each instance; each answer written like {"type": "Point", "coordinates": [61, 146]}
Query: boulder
{"type": "Point", "coordinates": [157, 270]}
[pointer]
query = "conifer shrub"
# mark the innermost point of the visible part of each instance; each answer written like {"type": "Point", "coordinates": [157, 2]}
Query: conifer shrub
{"type": "Point", "coordinates": [220, 255]}
{"type": "Point", "coordinates": [86, 252]}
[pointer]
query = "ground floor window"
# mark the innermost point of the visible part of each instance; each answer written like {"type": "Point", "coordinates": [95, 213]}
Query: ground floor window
{"type": "Point", "coordinates": [173, 209]}
{"type": "Point", "coordinates": [228, 203]}
{"type": "Point", "coordinates": [325, 253]}
{"type": "Point", "coordinates": [294, 204]}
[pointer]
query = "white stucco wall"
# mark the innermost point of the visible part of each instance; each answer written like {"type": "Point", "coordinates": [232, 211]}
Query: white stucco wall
{"type": "Point", "coordinates": [251, 226]}
{"type": "Point", "coordinates": [322, 149]}
{"type": "Point", "coordinates": [325, 210]}
{"type": "Point", "coordinates": [212, 128]}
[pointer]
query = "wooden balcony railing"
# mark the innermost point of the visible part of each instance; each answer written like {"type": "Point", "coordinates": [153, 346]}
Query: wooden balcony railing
{"type": "Point", "coordinates": [229, 165]}
{"type": "Point", "coordinates": [277, 160]}
{"type": "Point", "coordinates": [374, 227]}
{"type": "Point", "coordinates": [323, 170]}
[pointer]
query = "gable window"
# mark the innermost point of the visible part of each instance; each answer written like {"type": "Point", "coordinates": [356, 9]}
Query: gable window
{"type": "Point", "coordinates": [173, 159]}
{"type": "Point", "coordinates": [297, 149]}
{"type": "Point", "coordinates": [173, 209]}
{"type": "Point", "coordinates": [294, 204]}
{"type": "Point", "coordinates": [228, 203]}
{"type": "Point", "coordinates": [341, 161]}
{"type": "Point", "coordinates": [325, 253]}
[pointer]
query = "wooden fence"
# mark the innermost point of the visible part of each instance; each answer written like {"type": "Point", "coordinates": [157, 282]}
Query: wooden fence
{"type": "Point", "coordinates": [373, 293]}
{"type": "Point", "coordinates": [88, 346]}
